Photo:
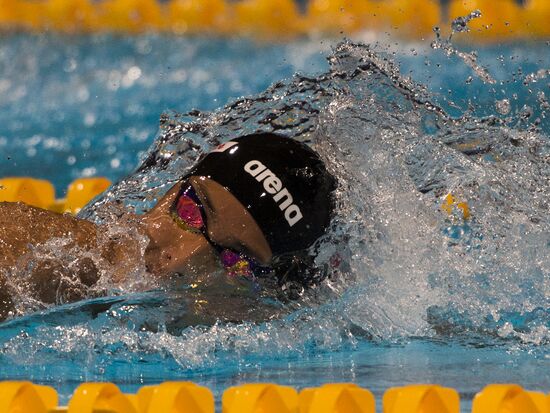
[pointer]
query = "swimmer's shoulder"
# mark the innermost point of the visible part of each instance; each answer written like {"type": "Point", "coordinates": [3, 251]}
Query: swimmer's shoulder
{"type": "Point", "coordinates": [18, 208]}
{"type": "Point", "coordinates": [37, 224]}
{"type": "Point", "coordinates": [21, 214]}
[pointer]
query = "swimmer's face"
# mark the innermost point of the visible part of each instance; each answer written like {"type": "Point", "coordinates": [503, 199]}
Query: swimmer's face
{"type": "Point", "coordinates": [175, 250]}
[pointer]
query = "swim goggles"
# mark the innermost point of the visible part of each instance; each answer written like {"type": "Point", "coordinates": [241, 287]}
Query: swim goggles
{"type": "Point", "coordinates": [188, 213]}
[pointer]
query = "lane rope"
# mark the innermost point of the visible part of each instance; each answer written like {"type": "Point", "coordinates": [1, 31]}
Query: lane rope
{"type": "Point", "coordinates": [275, 19]}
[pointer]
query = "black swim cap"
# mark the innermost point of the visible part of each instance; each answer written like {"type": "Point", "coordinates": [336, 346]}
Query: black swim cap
{"type": "Point", "coordinates": [282, 182]}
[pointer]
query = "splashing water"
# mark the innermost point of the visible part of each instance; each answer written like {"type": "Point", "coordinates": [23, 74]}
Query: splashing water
{"type": "Point", "coordinates": [503, 106]}
{"type": "Point", "coordinates": [460, 25]}
{"type": "Point", "coordinates": [381, 136]}
{"type": "Point", "coordinates": [419, 264]}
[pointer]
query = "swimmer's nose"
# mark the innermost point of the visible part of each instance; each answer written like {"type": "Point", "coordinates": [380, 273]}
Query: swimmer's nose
{"type": "Point", "coordinates": [173, 250]}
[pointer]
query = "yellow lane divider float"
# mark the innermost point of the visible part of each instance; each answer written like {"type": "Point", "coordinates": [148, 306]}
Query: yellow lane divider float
{"type": "Point", "coordinates": [187, 397]}
{"type": "Point", "coordinates": [451, 205]}
{"type": "Point", "coordinates": [276, 19]}
{"type": "Point", "coordinates": [41, 193]}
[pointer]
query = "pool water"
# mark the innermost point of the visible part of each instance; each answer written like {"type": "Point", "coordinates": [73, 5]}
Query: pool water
{"type": "Point", "coordinates": [91, 105]}
{"type": "Point", "coordinates": [425, 296]}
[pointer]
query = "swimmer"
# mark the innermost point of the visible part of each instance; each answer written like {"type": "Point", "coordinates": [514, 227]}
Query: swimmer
{"type": "Point", "coordinates": [252, 207]}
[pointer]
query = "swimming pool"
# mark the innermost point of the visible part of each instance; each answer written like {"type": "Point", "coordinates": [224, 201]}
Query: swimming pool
{"type": "Point", "coordinates": [434, 298]}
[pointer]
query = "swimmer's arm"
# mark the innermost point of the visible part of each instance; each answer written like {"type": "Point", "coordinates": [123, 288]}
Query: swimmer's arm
{"type": "Point", "coordinates": [22, 225]}
{"type": "Point", "coordinates": [53, 283]}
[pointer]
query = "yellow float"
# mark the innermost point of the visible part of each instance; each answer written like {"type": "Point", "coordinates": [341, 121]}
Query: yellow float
{"type": "Point", "coordinates": [70, 16]}
{"type": "Point", "coordinates": [130, 16]}
{"type": "Point", "coordinates": [413, 19]}
{"type": "Point", "coordinates": [24, 396]}
{"type": "Point", "coordinates": [426, 398]}
{"type": "Point", "coordinates": [196, 16]}
{"type": "Point", "coordinates": [277, 19]}
{"type": "Point", "coordinates": [536, 17]}
{"type": "Point", "coordinates": [450, 204]}
{"type": "Point", "coordinates": [187, 397]}
{"type": "Point", "coordinates": [343, 16]}
{"type": "Point", "coordinates": [41, 193]}
{"type": "Point", "coordinates": [267, 18]}
{"type": "Point", "coordinates": [499, 20]}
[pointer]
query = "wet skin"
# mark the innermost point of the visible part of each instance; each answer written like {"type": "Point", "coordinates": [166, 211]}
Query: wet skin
{"type": "Point", "coordinates": [171, 249]}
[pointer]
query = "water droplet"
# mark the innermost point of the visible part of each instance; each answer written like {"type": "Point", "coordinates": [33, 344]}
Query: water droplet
{"type": "Point", "coordinates": [503, 106]}
{"type": "Point", "coordinates": [89, 119]}
{"type": "Point", "coordinates": [70, 65]}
